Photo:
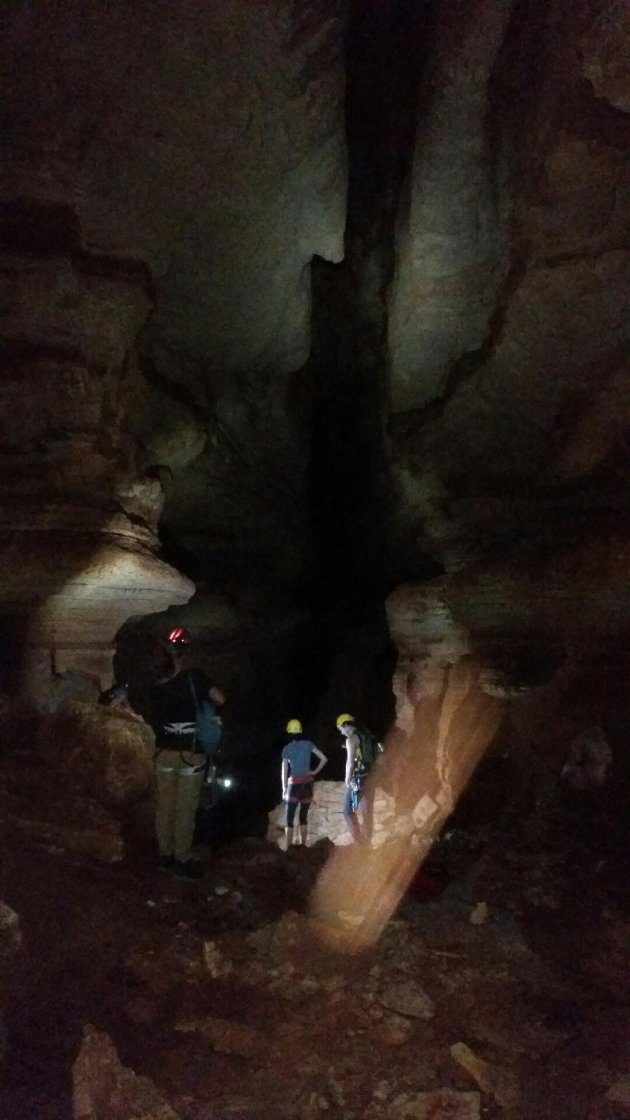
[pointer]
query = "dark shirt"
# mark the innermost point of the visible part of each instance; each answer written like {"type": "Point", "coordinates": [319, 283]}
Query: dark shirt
{"type": "Point", "coordinates": [173, 701]}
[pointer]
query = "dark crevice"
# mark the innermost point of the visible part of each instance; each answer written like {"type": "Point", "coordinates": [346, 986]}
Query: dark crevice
{"type": "Point", "coordinates": [347, 481]}
{"type": "Point", "coordinates": [342, 392]}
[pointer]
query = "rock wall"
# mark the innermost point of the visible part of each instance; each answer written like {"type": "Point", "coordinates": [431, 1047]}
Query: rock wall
{"type": "Point", "coordinates": [508, 384]}
{"type": "Point", "coordinates": [451, 235]}
{"type": "Point", "coordinates": [320, 298]}
{"type": "Point", "coordinates": [78, 522]}
{"type": "Point", "coordinates": [509, 334]}
{"type": "Point", "coordinates": [166, 176]}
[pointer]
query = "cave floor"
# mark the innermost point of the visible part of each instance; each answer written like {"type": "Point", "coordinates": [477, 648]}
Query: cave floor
{"type": "Point", "coordinates": [219, 994]}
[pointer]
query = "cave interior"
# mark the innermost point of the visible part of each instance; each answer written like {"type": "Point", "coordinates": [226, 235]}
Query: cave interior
{"type": "Point", "coordinates": [314, 341]}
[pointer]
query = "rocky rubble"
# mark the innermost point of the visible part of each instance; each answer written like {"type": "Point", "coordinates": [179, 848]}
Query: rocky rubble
{"type": "Point", "coordinates": [199, 1019]}
{"type": "Point", "coordinates": [325, 818]}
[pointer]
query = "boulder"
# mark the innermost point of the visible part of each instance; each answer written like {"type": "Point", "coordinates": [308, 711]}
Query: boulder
{"type": "Point", "coordinates": [325, 818]}
{"type": "Point", "coordinates": [105, 754]}
{"type": "Point", "coordinates": [104, 1089]}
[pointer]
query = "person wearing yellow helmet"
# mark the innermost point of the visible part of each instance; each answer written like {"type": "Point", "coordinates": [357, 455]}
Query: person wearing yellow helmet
{"type": "Point", "coordinates": [297, 779]}
{"type": "Point", "coordinates": [362, 749]}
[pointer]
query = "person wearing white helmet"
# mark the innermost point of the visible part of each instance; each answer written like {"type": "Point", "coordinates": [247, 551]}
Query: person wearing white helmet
{"type": "Point", "coordinates": [297, 779]}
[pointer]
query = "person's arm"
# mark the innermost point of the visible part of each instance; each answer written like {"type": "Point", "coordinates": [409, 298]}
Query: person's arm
{"type": "Point", "coordinates": [351, 754]}
{"type": "Point", "coordinates": [133, 713]}
{"type": "Point", "coordinates": [322, 760]}
{"type": "Point", "coordinates": [125, 708]}
{"type": "Point", "coordinates": [284, 774]}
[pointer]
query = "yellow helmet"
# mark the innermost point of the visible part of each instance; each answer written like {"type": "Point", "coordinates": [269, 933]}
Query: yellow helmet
{"type": "Point", "coordinates": [294, 727]}
{"type": "Point", "coordinates": [345, 718]}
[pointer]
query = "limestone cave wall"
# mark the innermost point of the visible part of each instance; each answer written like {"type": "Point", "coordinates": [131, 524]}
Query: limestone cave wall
{"type": "Point", "coordinates": [308, 309]}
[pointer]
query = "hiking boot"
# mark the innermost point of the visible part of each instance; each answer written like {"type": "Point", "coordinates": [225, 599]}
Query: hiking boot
{"type": "Point", "coordinates": [186, 869]}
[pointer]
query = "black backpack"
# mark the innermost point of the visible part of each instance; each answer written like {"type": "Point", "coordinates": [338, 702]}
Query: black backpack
{"type": "Point", "coordinates": [369, 750]}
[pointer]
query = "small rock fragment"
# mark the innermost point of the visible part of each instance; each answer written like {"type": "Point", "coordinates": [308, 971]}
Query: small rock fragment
{"type": "Point", "coordinates": [479, 913]}
{"type": "Point", "coordinates": [408, 998]}
{"type": "Point", "coordinates": [444, 1104]}
{"type": "Point", "coordinates": [214, 961]}
{"type": "Point", "coordinates": [620, 1092]}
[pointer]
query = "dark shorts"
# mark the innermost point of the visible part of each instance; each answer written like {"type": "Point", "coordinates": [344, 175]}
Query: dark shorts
{"type": "Point", "coordinates": [301, 792]}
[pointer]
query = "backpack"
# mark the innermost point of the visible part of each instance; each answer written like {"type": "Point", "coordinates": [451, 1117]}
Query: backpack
{"type": "Point", "coordinates": [209, 725]}
{"type": "Point", "coordinates": [369, 750]}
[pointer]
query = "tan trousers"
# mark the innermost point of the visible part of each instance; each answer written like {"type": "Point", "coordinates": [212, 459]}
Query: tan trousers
{"type": "Point", "coordinates": [179, 780]}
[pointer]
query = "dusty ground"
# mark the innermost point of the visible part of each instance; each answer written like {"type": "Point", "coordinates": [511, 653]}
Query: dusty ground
{"type": "Point", "coordinates": [221, 993]}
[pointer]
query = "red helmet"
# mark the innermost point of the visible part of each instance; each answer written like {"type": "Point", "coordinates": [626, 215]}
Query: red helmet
{"type": "Point", "coordinates": [180, 637]}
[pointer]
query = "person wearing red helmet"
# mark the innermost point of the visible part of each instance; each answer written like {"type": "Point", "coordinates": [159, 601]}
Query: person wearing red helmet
{"type": "Point", "coordinates": [180, 762]}
{"type": "Point", "coordinates": [179, 636]}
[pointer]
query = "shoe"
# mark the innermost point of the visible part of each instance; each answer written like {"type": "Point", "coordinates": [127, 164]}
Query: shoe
{"type": "Point", "coordinates": [165, 863]}
{"type": "Point", "coordinates": [186, 869]}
